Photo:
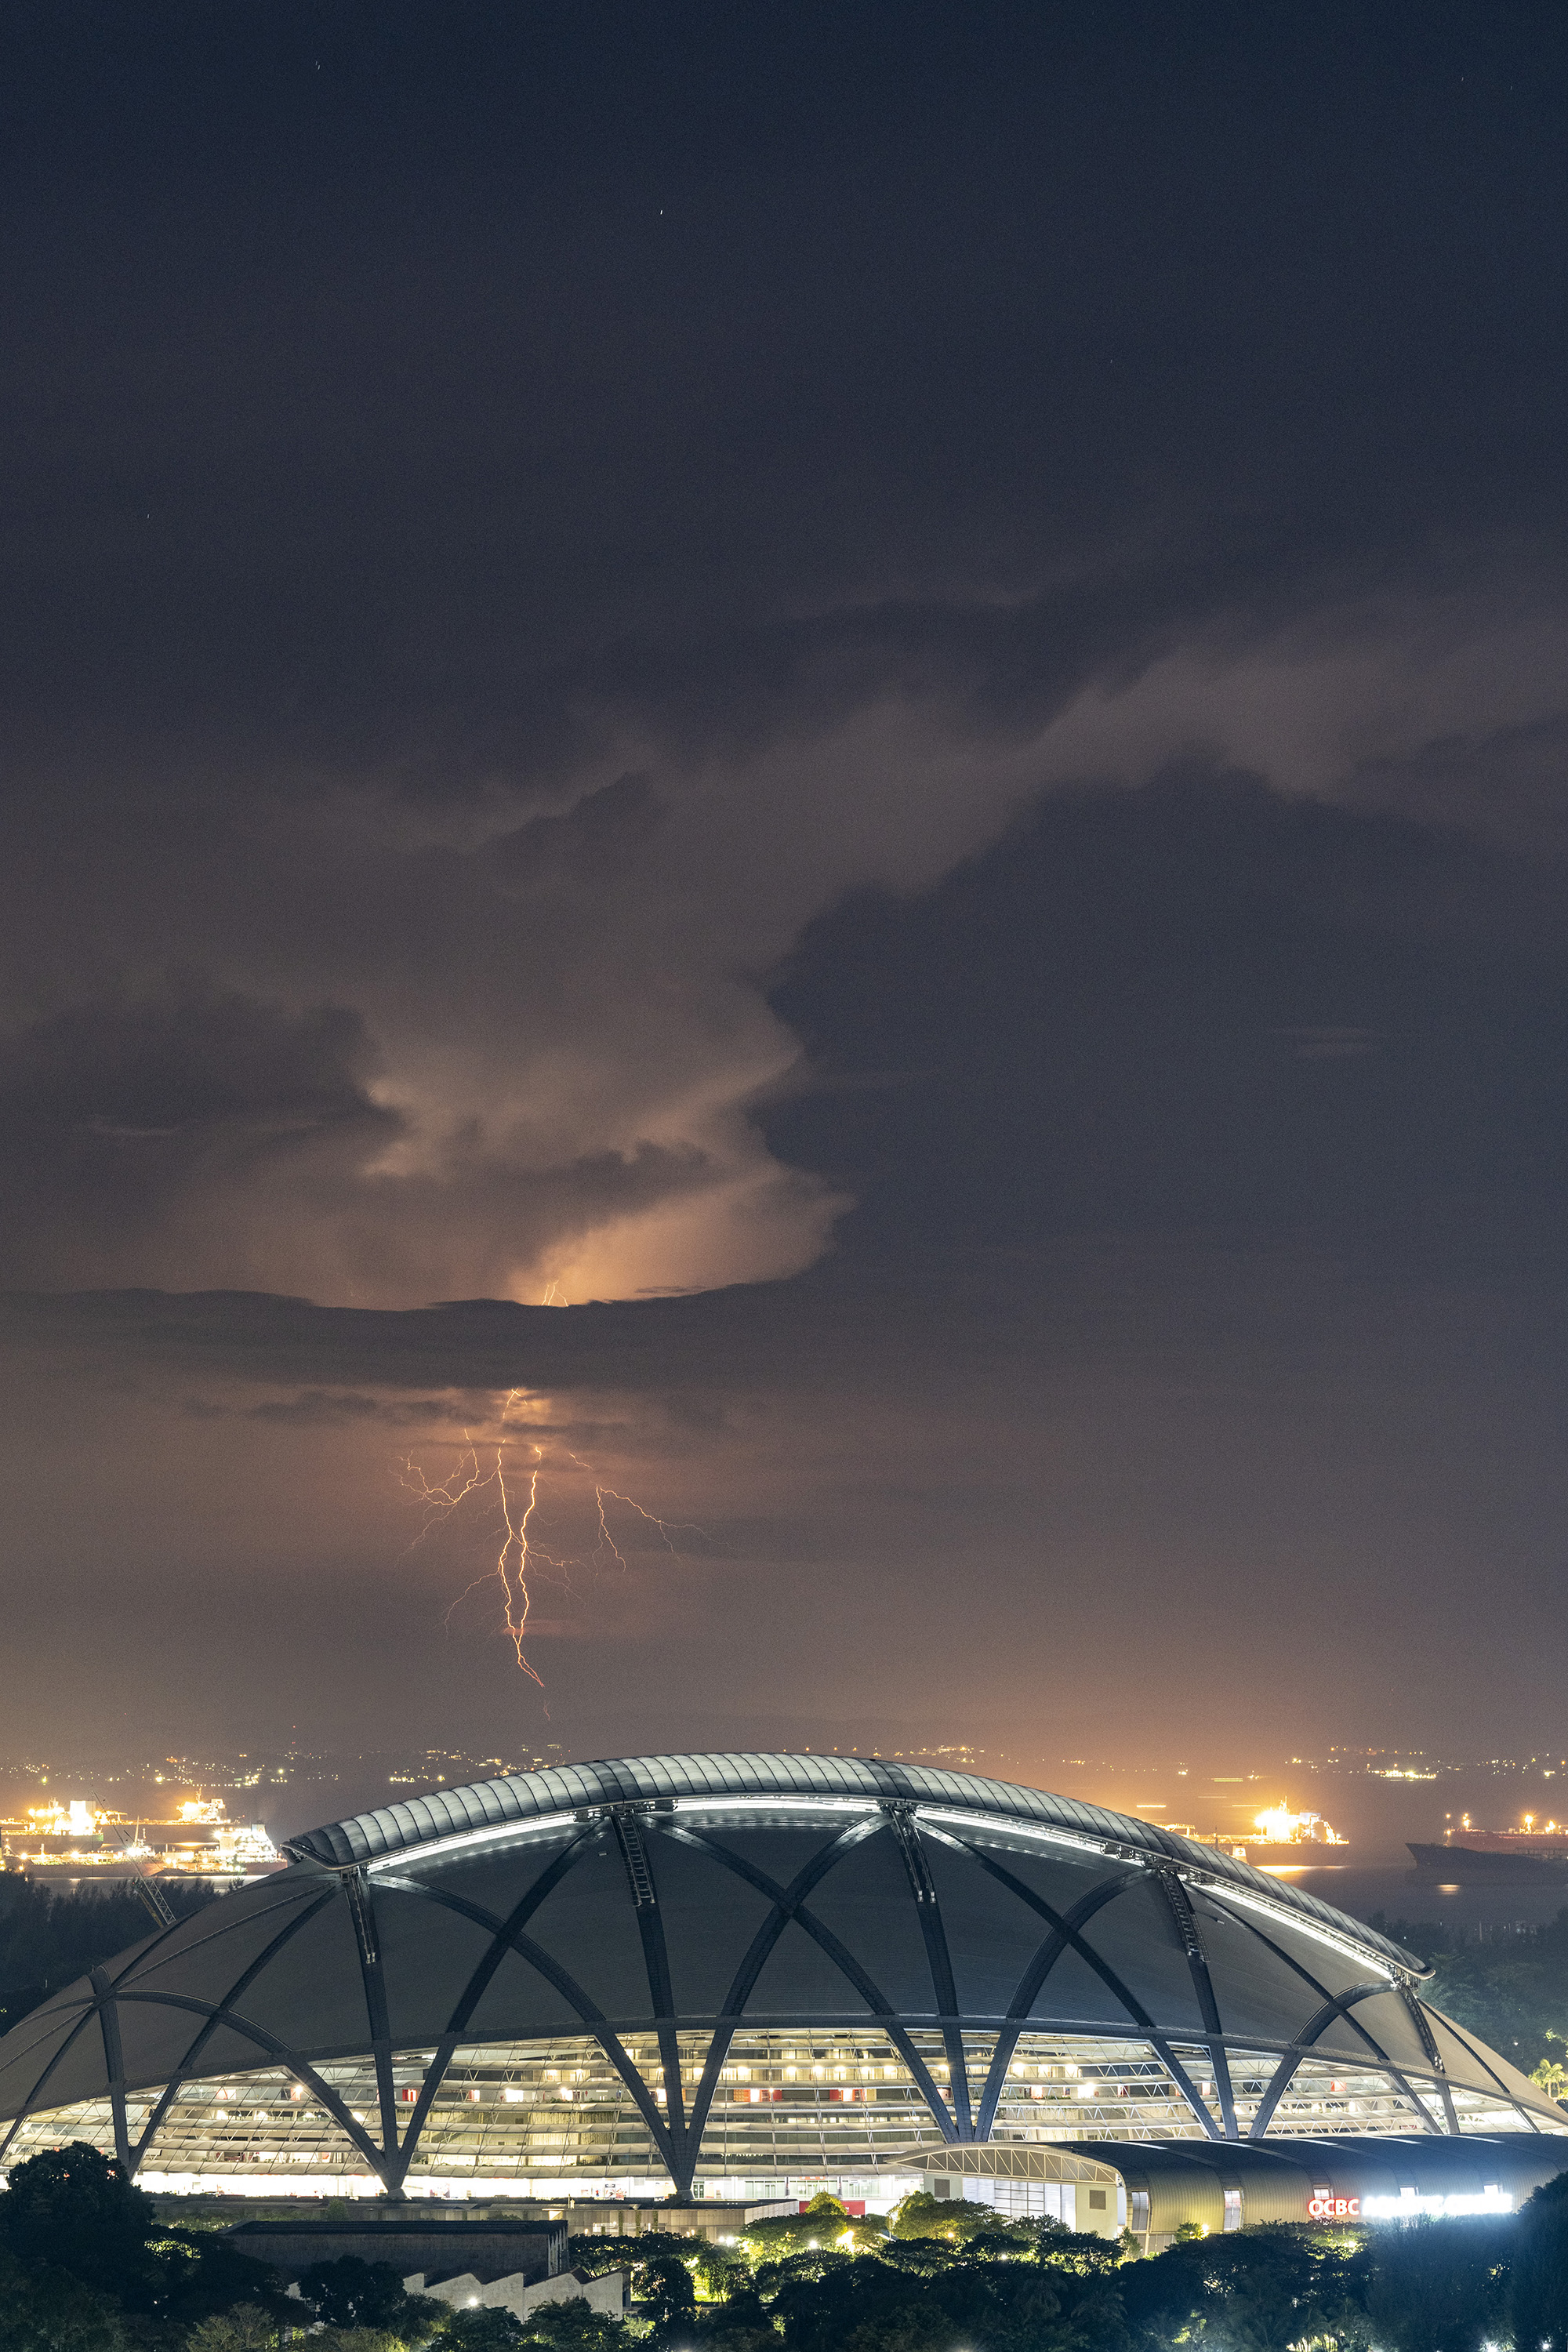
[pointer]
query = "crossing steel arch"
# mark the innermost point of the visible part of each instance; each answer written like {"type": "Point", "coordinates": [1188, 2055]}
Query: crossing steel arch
{"type": "Point", "coordinates": [940, 1910]}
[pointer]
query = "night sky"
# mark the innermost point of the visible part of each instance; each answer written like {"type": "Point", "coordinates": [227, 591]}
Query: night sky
{"type": "Point", "coordinates": [857, 715]}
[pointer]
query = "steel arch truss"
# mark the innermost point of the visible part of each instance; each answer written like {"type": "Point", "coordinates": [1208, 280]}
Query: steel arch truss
{"type": "Point", "coordinates": [643, 1829]}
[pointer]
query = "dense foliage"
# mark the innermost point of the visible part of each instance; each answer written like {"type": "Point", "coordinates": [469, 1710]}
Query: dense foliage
{"type": "Point", "coordinates": [1512, 1992]}
{"type": "Point", "coordinates": [960, 2278]}
{"type": "Point", "coordinates": [87, 2266]}
{"type": "Point", "coordinates": [51, 1935]}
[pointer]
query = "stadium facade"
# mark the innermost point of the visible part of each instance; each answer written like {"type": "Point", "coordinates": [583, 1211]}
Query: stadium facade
{"type": "Point", "coordinates": [736, 1976]}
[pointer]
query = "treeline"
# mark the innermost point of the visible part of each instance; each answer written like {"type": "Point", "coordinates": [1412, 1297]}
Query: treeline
{"type": "Point", "coordinates": [86, 2266]}
{"type": "Point", "coordinates": [51, 1935]}
{"type": "Point", "coordinates": [1513, 1994]}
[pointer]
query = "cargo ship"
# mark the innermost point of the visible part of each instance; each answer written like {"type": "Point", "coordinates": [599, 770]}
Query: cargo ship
{"type": "Point", "coordinates": [1530, 1852]}
{"type": "Point", "coordinates": [77, 1839]}
{"type": "Point", "coordinates": [1281, 1840]}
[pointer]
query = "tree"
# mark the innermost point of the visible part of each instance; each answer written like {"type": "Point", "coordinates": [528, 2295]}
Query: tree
{"type": "Point", "coordinates": [720, 2270]}
{"type": "Point", "coordinates": [356, 2339]}
{"type": "Point", "coordinates": [1538, 2294]}
{"type": "Point", "coordinates": [853, 2299]}
{"type": "Point", "coordinates": [1019, 2306]}
{"type": "Point", "coordinates": [1260, 2290]}
{"type": "Point", "coordinates": [920, 2257]}
{"type": "Point", "coordinates": [195, 2275]}
{"type": "Point", "coordinates": [73, 2209]}
{"type": "Point", "coordinates": [1551, 2076]}
{"type": "Point", "coordinates": [486, 2328]}
{"type": "Point", "coordinates": [922, 2215]}
{"type": "Point", "coordinates": [594, 2256]}
{"type": "Point", "coordinates": [1083, 2253]}
{"type": "Point", "coordinates": [1011, 2240]}
{"type": "Point", "coordinates": [573, 2326]}
{"type": "Point", "coordinates": [1440, 2287]}
{"type": "Point", "coordinates": [353, 2293]}
{"type": "Point", "coordinates": [665, 2292]}
{"type": "Point", "coordinates": [804, 2269]}
{"type": "Point", "coordinates": [825, 2223]}
{"type": "Point", "coordinates": [245, 2328]}
{"type": "Point", "coordinates": [911, 2327]}
{"type": "Point", "coordinates": [741, 2325]}
{"type": "Point", "coordinates": [43, 2309]}
{"type": "Point", "coordinates": [50, 1935]}
{"type": "Point", "coordinates": [1163, 2295]}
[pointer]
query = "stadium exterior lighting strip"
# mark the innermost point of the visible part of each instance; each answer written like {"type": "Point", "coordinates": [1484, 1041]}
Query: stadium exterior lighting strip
{"type": "Point", "coordinates": [1102, 1848]}
{"type": "Point", "coordinates": [781, 1804]}
{"type": "Point", "coordinates": [462, 1839]}
{"type": "Point", "coordinates": [404, 1855]}
{"type": "Point", "coordinates": [1303, 1925]}
{"type": "Point", "coordinates": [1283, 1913]}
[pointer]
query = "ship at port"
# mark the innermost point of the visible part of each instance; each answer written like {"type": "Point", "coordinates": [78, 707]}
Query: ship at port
{"type": "Point", "coordinates": [1532, 1852]}
{"type": "Point", "coordinates": [1281, 1840]}
{"type": "Point", "coordinates": [73, 1839]}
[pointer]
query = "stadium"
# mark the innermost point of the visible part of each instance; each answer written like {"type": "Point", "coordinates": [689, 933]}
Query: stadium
{"type": "Point", "coordinates": [739, 1977]}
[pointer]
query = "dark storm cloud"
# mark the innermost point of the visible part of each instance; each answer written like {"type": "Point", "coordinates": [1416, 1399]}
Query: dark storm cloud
{"type": "Point", "coordinates": [600, 836]}
{"type": "Point", "coordinates": [324, 1408]}
{"type": "Point", "coordinates": [113, 1111]}
{"type": "Point", "coordinates": [1509, 784]}
{"type": "Point", "coordinates": [508, 518]}
{"type": "Point", "coordinates": [203, 1127]}
{"type": "Point", "coordinates": [1200, 1017]}
{"type": "Point", "coordinates": [473, 1416]}
{"type": "Point", "coordinates": [406, 408]}
{"type": "Point", "coordinates": [1202, 1010]}
{"type": "Point", "coordinates": [483, 1344]}
{"type": "Point", "coordinates": [429, 386]}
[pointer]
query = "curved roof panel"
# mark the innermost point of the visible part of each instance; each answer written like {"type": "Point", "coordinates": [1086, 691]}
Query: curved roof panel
{"type": "Point", "coordinates": [628, 1902]}
{"type": "Point", "coordinates": [649, 1779]}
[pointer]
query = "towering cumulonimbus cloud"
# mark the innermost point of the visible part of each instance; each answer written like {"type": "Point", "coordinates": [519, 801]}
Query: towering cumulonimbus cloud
{"type": "Point", "coordinates": [449, 653]}
{"type": "Point", "coordinates": [336, 1047]}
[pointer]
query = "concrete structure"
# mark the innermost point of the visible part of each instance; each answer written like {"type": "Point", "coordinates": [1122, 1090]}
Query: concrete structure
{"type": "Point", "coordinates": [502, 2265]}
{"type": "Point", "coordinates": [1151, 2188]}
{"type": "Point", "coordinates": [609, 2293]}
{"type": "Point", "coordinates": [739, 1977]}
{"type": "Point", "coordinates": [433, 2244]}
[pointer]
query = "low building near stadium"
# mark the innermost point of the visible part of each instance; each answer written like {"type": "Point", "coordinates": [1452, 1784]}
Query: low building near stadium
{"type": "Point", "coordinates": [1151, 2188]}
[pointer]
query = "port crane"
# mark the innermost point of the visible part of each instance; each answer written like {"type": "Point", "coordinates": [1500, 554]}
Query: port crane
{"type": "Point", "coordinates": [149, 1892]}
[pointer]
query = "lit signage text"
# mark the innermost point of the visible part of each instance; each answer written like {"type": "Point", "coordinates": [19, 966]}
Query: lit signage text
{"type": "Point", "coordinates": [1410, 2204]}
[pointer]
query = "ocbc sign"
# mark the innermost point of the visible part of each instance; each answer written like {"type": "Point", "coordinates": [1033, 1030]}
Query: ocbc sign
{"type": "Point", "coordinates": [1335, 2209]}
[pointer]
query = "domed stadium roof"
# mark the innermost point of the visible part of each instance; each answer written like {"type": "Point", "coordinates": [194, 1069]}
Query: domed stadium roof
{"type": "Point", "coordinates": [678, 1924]}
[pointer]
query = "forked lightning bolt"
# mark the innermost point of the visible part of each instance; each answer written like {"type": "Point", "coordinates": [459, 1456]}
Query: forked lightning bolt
{"type": "Point", "coordinates": [519, 1550]}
